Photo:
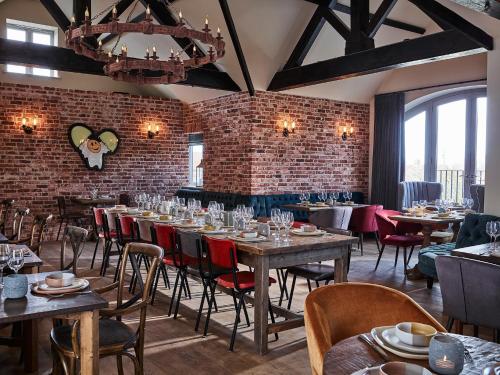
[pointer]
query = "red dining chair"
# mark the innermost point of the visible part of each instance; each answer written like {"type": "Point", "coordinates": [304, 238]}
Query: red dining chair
{"type": "Point", "coordinates": [363, 221]}
{"type": "Point", "coordinates": [110, 237]}
{"type": "Point", "coordinates": [98, 231]}
{"type": "Point", "coordinates": [390, 234]}
{"type": "Point", "coordinates": [164, 235]}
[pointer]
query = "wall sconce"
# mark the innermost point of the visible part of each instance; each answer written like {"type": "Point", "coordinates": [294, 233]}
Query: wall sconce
{"type": "Point", "coordinates": [287, 130]}
{"type": "Point", "coordinates": [151, 133]}
{"type": "Point", "coordinates": [26, 126]}
{"type": "Point", "coordinates": [346, 133]}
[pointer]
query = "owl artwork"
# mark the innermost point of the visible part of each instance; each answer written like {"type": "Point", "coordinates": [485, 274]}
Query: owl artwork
{"type": "Point", "coordinates": [93, 146]}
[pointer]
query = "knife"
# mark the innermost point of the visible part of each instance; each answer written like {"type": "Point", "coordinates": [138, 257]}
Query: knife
{"type": "Point", "coordinates": [375, 347]}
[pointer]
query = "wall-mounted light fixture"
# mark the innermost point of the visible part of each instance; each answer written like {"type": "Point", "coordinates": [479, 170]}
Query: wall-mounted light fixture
{"type": "Point", "coordinates": [153, 133]}
{"type": "Point", "coordinates": [29, 126]}
{"type": "Point", "coordinates": [347, 132]}
{"type": "Point", "coordinates": [287, 129]}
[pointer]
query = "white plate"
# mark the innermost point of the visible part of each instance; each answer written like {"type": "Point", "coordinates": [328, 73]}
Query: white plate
{"type": "Point", "coordinates": [301, 233]}
{"type": "Point", "coordinates": [390, 336]}
{"type": "Point", "coordinates": [242, 239]}
{"type": "Point", "coordinates": [414, 370]}
{"type": "Point", "coordinates": [78, 284]}
{"type": "Point", "coordinates": [179, 225]}
{"type": "Point", "coordinates": [495, 253]}
{"type": "Point", "coordinates": [214, 231]}
{"type": "Point", "coordinates": [377, 335]}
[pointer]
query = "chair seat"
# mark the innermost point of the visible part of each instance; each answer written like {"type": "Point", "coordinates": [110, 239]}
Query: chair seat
{"type": "Point", "coordinates": [313, 271]}
{"type": "Point", "coordinates": [112, 234]}
{"type": "Point", "coordinates": [205, 269]}
{"type": "Point", "coordinates": [427, 257]}
{"type": "Point", "coordinates": [403, 240]}
{"type": "Point", "coordinates": [187, 261]}
{"type": "Point", "coordinates": [246, 280]}
{"type": "Point", "coordinates": [111, 333]}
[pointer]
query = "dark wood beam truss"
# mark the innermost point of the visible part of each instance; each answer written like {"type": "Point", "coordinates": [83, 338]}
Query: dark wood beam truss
{"type": "Point", "coordinates": [339, 25]}
{"type": "Point", "coordinates": [380, 16]}
{"type": "Point", "coordinates": [237, 46]}
{"type": "Point", "coordinates": [358, 39]}
{"type": "Point", "coordinates": [64, 59]}
{"type": "Point", "coordinates": [56, 13]}
{"type": "Point", "coordinates": [439, 46]}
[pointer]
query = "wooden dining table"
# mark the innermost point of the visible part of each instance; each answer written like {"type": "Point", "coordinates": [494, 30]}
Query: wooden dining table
{"type": "Point", "coordinates": [31, 308]}
{"type": "Point", "coordinates": [351, 355]}
{"type": "Point", "coordinates": [429, 223]}
{"type": "Point", "coordinates": [478, 252]}
{"type": "Point", "coordinates": [310, 208]}
{"type": "Point", "coordinates": [93, 202]}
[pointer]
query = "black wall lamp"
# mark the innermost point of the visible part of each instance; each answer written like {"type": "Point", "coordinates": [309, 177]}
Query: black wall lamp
{"type": "Point", "coordinates": [345, 133]}
{"type": "Point", "coordinates": [153, 133]}
{"type": "Point", "coordinates": [28, 127]}
{"type": "Point", "coordinates": [288, 129]}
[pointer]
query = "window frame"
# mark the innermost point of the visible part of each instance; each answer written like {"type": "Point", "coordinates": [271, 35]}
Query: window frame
{"type": "Point", "coordinates": [431, 128]}
{"type": "Point", "coordinates": [192, 169]}
{"type": "Point", "coordinates": [30, 29]}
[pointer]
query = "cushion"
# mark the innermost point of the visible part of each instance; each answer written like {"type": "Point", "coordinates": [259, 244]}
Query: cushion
{"type": "Point", "coordinates": [246, 280]}
{"type": "Point", "coordinates": [427, 257]}
{"type": "Point", "coordinates": [313, 271]}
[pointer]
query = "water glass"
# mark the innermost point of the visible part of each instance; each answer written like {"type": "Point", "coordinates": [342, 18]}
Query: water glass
{"type": "Point", "coordinates": [302, 197]}
{"type": "Point", "coordinates": [4, 259]}
{"type": "Point", "coordinates": [276, 220]}
{"type": "Point", "coordinates": [492, 228]}
{"type": "Point", "coordinates": [422, 203]}
{"type": "Point", "coordinates": [16, 260]}
{"type": "Point", "coordinates": [336, 195]}
{"type": "Point", "coordinates": [307, 196]}
{"type": "Point", "coordinates": [287, 220]}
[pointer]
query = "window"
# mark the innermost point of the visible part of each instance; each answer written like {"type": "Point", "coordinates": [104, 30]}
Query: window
{"type": "Point", "coordinates": [33, 33]}
{"type": "Point", "coordinates": [445, 141]}
{"type": "Point", "coordinates": [195, 158]}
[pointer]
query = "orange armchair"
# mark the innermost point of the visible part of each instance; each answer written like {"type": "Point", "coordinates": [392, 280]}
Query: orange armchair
{"type": "Point", "coordinates": [335, 312]}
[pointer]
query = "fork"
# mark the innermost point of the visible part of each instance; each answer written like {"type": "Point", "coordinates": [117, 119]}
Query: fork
{"type": "Point", "coordinates": [67, 295]}
{"type": "Point", "coordinates": [468, 356]}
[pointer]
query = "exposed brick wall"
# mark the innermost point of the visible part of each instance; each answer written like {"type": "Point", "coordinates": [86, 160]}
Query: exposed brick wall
{"type": "Point", "coordinates": [246, 152]}
{"type": "Point", "coordinates": [36, 168]}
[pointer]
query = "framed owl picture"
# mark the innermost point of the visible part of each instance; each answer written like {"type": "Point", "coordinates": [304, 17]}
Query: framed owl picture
{"type": "Point", "coordinates": [93, 146]}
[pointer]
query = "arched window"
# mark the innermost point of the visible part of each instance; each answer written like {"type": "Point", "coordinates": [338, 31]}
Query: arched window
{"type": "Point", "coordinates": [445, 140]}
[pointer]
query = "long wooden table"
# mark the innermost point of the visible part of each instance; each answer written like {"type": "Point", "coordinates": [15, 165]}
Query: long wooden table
{"type": "Point", "coordinates": [430, 223]}
{"type": "Point", "coordinates": [478, 252]}
{"type": "Point", "coordinates": [310, 208]}
{"type": "Point", "coordinates": [264, 256]}
{"type": "Point", "coordinates": [94, 202]}
{"type": "Point", "coordinates": [83, 307]}
{"type": "Point", "coordinates": [351, 355]}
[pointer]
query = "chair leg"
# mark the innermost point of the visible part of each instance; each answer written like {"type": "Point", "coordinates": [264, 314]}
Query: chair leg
{"type": "Point", "coordinates": [183, 280]}
{"type": "Point", "coordinates": [291, 292]}
{"type": "Point", "coordinates": [59, 230]}
{"type": "Point", "coordinates": [155, 286]}
{"type": "Point", "coordinates": [377, 241]}
{"type": "Point", "coordinates": [411, 253]}
{"type": "Point", "coordinates": [381, 251]}
{"type": "Point", "coordinates": [361, 240]}
{"type": "Point", "coordinates": [282, 291]}
{"type": "Point", "coordinates": [309, 285]}
{"type": "Point", "coordinates": [172, 300]}
{"type": "Point", "coordinates": [272, 317]}
{"type": "Point", "coordinates": [186, 287]}
{"type": "Point", "coordinates": [106, 249]}
{"type": "Point", "coordinates": [235, 327]}
{"type": "Point", "coordinates": [95, 252]}
{"type": "Point", "coordinates": [119, 364]}
{"type": "Point", "coordinates": [246, 313]}
{"type": "Point", "coordinates": [117, 270]}
{"type": "Point", "coordinates": [284, 283]}
{"type": "Point", "coordinates": [430, 282]}
{"type": "Point", "coordinates": [449, 324]}
{"type": "Point", "coordinates": [404, 261]}
{"type": "Point", "coordinates": [200, 309]}
{"type": "Point", "coordinates": [165, 276]}
{"type": "Point", "coordinates": [396, 257]}
{"type": "Point", "coordinates": [476, 330]}
{"type": "Point", "coordinates": [210, 302]}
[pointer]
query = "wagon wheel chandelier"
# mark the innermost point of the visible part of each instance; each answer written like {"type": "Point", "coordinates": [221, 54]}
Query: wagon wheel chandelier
{"type": "Point", "coordinates": [150, 69]}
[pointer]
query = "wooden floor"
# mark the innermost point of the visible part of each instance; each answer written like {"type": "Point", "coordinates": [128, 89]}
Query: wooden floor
{"type": "Point", "coordinates": [172, 346]}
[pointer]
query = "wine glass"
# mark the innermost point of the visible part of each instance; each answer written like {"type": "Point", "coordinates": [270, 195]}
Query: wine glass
{"type": "Point", "coordinates": [336, 196]}
{"type": "Point", "coordinates": [236, 220]}
{"type": "Point", "coordinates": [302, 198]}
{"type": "Point", "coordinates": [322, 196]}
{"type": "Point", "coordinates": [346, 196]}
{"type": "Point", "coordinates": [275, 219]}
{"type": "Point", "coordinates": [4, 259]}
{"type": "Point", "coordinates": [422, 203]}
{"type": "Point", "coordinates": [307, 196]}
{"type": "Point", "coordinates": [349, 195]}
{"type": "Point", "coordinates": [16, 260]}
{"type": "Point", "coordinates": [490, 231]}
{"type": "Point", "coordinates": [287, 221]}
{"type": "Point", "coordinates": [470, 203]}
{"type": "Point", "coordinates": [496, 234]}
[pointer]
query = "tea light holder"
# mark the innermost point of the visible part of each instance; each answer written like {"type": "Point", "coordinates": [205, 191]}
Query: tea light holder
{"type": "Point", "coordinates": [15, 286]}
{"type": "Point", "coordinates": [446, 355]}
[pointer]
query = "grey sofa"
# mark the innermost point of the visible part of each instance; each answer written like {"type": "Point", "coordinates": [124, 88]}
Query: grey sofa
{"type": "Point", "coordinates": [409, 191]}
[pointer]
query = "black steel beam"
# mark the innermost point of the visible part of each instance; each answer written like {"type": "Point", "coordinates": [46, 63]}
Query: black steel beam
{"type": "Point", "coordinates": [58, 58]}
{"type": "Point", "coordinates": [358, 39]}
{"type": "Point", "coordinates": [439, 46]}
{"type": "Point", "coordinates": [339, 25]}
{"type": "Point", "coordinates": [380, 16]}
{"type": "Point", "coordinates": [237, 46]}
{"type": "Point", "coordinates": [447, 19]}
{"type": "Point", "coordinates": [56, 13]}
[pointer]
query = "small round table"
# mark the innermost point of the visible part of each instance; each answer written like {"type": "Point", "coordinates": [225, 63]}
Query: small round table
{"type": "Point", "coordinates": [352, 354]}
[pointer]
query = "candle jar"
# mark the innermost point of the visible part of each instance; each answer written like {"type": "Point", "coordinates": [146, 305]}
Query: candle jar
{"type": "Point", "coordinates": [446, 355]}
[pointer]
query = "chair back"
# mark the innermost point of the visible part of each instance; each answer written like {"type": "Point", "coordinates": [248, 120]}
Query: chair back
{"type": "Point", "coordinates": [337, 217]}
{"type": "Point", "coordinates": [221, 255]}
{"type": "Point", "coordinates": [164, 235]}
{"type": "Point", "coordinates": [473, 230]}
{"type": "Point", "coordinates": [189, 246]}
{"type": "Point", "coordinates": [335, 312]}
{"type": "Point", "coordinates": [386, 227]}
{"type": "Point", "coordinates": [124, 198]}
{"type": "Point", "coordinates": [449, 271]}
{"type": "Point", "coordinates": [5, 206]}
{"type": "Point", "coordinates": [363, 219]}
{"type": "Point", "coordinates": [76, 238]}
{"type": "Point", "coordinates": [481, 281]}
{"type": "Point", "coordinates": [98, 216]}
{"type": "Point", "coordinates": [61, 205]}
{"type": "Point", "coordinates": [477, 193]}
{"type": "Point", "coordinates": [125, 226]}
{"type": "Point", "coordinates": [17, 223]}
{"type": "Point", "coordinates": [39, 231]}
{"type": "Point", "coordinates": [144, 229]}
{"type": "Point", "coordinates": [110, 216]}
{"type": "Point", "coordinates": [409, 191]}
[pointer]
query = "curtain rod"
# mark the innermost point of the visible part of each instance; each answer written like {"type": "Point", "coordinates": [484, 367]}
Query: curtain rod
{"type": "Point", "coordinates": [442, 85]}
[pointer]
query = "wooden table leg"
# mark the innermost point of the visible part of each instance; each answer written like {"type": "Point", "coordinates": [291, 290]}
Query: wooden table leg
{"type": "Point", "coordinates": [30, 345]}
{"type": "Point", "coordinates": [341, 266]}
{"type": "Point", "coordinates": [455, 227]}
{"type": "Point", "coordinates": [426, 231]}
{"type": "Point", "coordinates": [89, 342]}
{"type": "Point", "coordinates": [261, 303]}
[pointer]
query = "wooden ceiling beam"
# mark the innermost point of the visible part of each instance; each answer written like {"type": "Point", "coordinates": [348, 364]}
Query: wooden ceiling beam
{"type": "Point", "coordinates": [339, 25]}
{"type": "Point", "coordinates": [226, 12]}
{"type": "Point", "coordinates": [358, 39]}
{"type": "Point", "coordinates": [380, 16]}
{"type": "Point", "coordinates": [447, 19]}
{"type": "Point", "coordinates": [443, 45]}
{"type": "Point", "coordinates": [57, 14]}
{"type": "Point", "coordinates": [64, 59]}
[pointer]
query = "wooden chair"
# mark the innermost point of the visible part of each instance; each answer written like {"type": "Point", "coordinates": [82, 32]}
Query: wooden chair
{"type": "Point", "coordinates": [38, 233]}
{"type": "Point", "coordinates": [5, 206]}
{"type": "Point", "coordinates": [67, 215]}
{"type": "Point", "coordinates": [76, 237]}
{"type": "Point", "coordinates": [335, 312]}
{"type": "Point", "coordinates": [17, 224]}
{"type": "Point", "coordinates": [115, 337]}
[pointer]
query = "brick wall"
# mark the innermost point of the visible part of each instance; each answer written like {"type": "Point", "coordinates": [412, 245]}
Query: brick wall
{"type": "Point", "coordinates": [36, 168]}
{"type": "Point", "coordinates": [246, 152]}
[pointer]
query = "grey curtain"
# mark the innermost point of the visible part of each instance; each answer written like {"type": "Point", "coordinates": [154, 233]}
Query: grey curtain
{"type": "Point", "coordinates": [388, 149]}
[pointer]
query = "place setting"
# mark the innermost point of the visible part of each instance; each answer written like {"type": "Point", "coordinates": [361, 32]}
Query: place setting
{"type": "Point", "coordinates": [59, 285]}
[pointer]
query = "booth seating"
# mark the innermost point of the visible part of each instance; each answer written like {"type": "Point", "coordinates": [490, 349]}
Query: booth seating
{"type": "Point", "coordinates": [409, 191]}
{"type": "Point", "coordinates": [262, 204]}
{"type": "Point", "coordinates": [472, 232]}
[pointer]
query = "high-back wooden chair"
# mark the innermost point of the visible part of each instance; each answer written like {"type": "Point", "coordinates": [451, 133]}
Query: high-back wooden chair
{"type": "Point", "coordinates": [17, 223]}
{"type": "Point", "coordinates": [39, 230]}
{"type": "Point", "coordinates": [115, 337]}
{"type": "Point", "coordinates": [76, 238]}
{"type": "Point", "coordinates": [5, 206]}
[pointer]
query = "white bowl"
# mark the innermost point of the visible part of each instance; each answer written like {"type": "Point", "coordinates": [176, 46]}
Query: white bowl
{"type": "Point", "coordinates": [60, 279]}
{"type": "Point", "coordinates": [308, 228]}
{"type": "Point", "coordinates": [248, 234]}
{"type": "Point", "coordinates": [416, 334]}
{"type": "Point", "coordinates": [402, 368]}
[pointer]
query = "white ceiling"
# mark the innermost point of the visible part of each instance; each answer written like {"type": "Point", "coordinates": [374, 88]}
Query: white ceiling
{"type": "Point", "coordinates": [268, 31]}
